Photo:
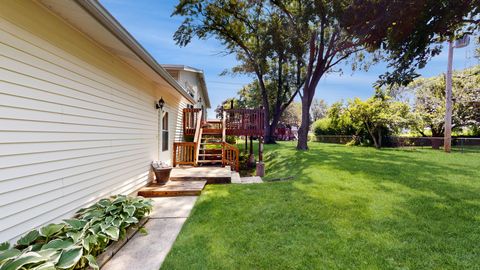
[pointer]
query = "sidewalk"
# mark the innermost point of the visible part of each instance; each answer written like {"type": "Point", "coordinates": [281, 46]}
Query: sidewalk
{"type": "Point", "coordinates": [147, 252]}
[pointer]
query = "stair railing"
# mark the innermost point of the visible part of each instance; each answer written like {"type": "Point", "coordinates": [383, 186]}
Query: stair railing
{"type": "Point", "coordinates": [230, 156]}
{"type": "Point", "coordinates": [184, 153]}
{"type": "Point", "coordinates": [197, 139]}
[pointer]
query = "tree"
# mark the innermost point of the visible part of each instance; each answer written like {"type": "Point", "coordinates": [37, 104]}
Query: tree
{"type": "Point", "coordinates": [322, 44]}
{"type": "Point", "coordinates": [256, 34]}
{"type": "Point", "coordinates": [410, 32]}
{"type": "Point", "coordinates": [319, 109]}
{"type": "Point", "coordinates": [377, 115]}
{"type": "Point", "coordinates": [429, 104]}
{"type": "Point", "coordinates": [227, 104]}
{"type": "Point", "coordinates": [293, 114]}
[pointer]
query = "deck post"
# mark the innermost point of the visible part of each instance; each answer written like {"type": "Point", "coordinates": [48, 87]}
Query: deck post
{"type": "Point", "coordinates": [246, 144]}
{"type": "Point", "coordinates": [260, 164]}
{"type": "Point", "coordinates": [251, 157]}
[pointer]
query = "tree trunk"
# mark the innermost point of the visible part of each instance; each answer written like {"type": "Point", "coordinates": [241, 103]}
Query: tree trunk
{"type": "Point", "coordinates": [379, 138]}
{"type": "Point", "coordinates": [304, 126]}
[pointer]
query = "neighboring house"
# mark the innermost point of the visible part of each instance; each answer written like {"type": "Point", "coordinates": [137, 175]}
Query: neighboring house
{"type": "Point", "coordinates": [193, 81]}
{"type": "Point", "coordinates": [77, 110]}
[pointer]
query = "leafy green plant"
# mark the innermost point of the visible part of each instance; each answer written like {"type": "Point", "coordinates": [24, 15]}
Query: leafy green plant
{"type": "Point", "coordinates": [75, 243]}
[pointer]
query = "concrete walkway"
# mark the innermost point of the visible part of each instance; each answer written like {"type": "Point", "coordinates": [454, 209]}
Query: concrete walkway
{"type": "Point", "coordinates": [236, 179]}
{"type": "Point", "coordinates": [147, 252]}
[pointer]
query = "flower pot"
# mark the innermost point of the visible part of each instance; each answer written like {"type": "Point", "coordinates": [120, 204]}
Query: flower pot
{"type": "Point", "coordinates": [162, 173]}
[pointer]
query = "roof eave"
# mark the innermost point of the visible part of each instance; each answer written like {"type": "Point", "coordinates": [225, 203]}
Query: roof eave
{"type": "Point", "coordinates": [95, 9]}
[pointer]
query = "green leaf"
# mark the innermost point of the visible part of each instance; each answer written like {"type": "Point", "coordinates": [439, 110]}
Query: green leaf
{"type": "Point", "coordinates": [45, 266]}
{"type": "Point", "coordinates": [93, 214]}
{"type": "Point", "coordinates": [58, 244]}
{"type": "Point", "coordinates": [109, 219]}
{"type": "Point", "coordinates": [92, 262]}
{"type": "Point", "coordinates": [112, 232]}
{"type": "Point", "coordinates": [8, 254]}
{"type": "Point", "coordinates": [95, 229]}
{"type": "Point", "coordinates": [104, 202]}
{"type": "Point", "coordinates": [75, 236]}
{"type": "Point", "coordinates": [117, 222]}
{"type": "Point", "coordinates": [25, 259]}
{"type": "Point", "coordinates": [76, 224]}
{"type": "Point", "coordinates": [69, 258]}
{"type": "Point", "coordinates": [130, 210]}
{"type": "Point", "coordinates": [4, 246]}
{"type": "Point", "coordinates": [111, 208]}
{"type": "Point", "coordinates": [28, 238]}
{"type": "Point", "coordinates": [119, 199]}
{"type": "Point", "coordinates": [131, 220]}
{"type": "Point", "coordinates": [51, 229]}
{"type": "Point", "coordinates": [51, 254]}
{"type": "Point", "coordinates": [143, 231]}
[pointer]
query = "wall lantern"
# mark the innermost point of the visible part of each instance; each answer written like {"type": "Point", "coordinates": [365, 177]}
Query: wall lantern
{"type": "Point", "coordinates": [199, 100]}
{"type": "Point", "coordinates": [160, 104]}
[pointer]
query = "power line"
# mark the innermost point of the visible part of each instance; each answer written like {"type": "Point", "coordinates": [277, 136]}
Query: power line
{"type": "Point", "coordinates": [230, 83]}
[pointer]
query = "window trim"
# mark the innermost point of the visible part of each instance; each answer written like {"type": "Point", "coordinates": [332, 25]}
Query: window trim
{"type": "Point", "coordinates": [165, 131]}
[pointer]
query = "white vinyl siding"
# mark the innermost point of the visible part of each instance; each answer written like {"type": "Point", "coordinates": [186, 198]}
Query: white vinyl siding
{"type": "Point", "coordinates": [70, 133]}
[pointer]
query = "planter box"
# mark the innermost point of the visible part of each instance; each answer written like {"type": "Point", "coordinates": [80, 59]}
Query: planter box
{"type": "Point", "coordinates": [112, 249]}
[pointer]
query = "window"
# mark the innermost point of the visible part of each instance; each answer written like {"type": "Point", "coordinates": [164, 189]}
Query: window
{"type": "Point", "coordinates": [165, 132]}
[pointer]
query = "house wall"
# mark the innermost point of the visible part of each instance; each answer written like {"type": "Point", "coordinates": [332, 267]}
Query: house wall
{"type": "Point", "coordinates": [190, 80]}
{"type": "Point", "coordinates": [76, 122]}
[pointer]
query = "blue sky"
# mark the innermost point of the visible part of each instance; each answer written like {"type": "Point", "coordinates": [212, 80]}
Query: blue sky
{"type": "Point", "coordinates": [150, 23]}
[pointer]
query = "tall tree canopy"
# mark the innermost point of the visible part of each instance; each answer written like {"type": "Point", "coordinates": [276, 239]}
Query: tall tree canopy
{"type": "Point", "coordinates": [256, 34]}
{"type": "Point", "coordinates": [409, 31]}
{"type": "Point", "coordinates": [429, 103]}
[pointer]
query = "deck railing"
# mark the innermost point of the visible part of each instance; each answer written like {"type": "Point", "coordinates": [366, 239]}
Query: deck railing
{"type": "Point", "coordinates": [230, 156]}
{"type": "Point", "coordinates": [190, 120]}
{"type": "Point", "coordinates": [244, 122]}
{"type": "Point", "coordinates": [184, 153]}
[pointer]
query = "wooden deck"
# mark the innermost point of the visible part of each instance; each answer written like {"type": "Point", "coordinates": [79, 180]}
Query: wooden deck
{"type": "Point", "coordinates": [173, 188]}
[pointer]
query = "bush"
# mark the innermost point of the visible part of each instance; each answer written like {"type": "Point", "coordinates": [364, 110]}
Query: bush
{"type": "Point", "coordinates": [76, 242]}
{"type": "Point", "coordinates": [231, 140]}
{"type": "Point", "coordinates": [324, 127]}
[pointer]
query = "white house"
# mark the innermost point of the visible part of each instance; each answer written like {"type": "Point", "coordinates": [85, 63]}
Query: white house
{"type": "Point", "coordinates": [192, 80]}
{"type": "Point", "coordinates": [77, 110]}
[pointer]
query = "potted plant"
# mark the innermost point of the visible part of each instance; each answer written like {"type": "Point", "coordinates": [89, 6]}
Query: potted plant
{"type": "Point", "coordinates": [162, 172]}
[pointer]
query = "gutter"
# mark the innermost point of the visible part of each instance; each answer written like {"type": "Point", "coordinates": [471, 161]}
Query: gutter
{"type": "Point", "coordinates": [94, 8]}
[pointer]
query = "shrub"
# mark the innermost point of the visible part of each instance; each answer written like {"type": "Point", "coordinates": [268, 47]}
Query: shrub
{"type": "Point", "coordinates": [76, 242]}
{"type": "Point", "coordinates": [231, 139]}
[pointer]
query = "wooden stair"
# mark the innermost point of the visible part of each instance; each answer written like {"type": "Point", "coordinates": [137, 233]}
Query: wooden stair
{"type": "Point", "coordinates": [173, 188]}
{"type": "Point", "coordinates": [210, 152]}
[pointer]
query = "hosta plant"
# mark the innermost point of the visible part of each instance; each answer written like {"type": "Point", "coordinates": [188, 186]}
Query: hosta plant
{"type": "Point", "coordinates": [75, 243]}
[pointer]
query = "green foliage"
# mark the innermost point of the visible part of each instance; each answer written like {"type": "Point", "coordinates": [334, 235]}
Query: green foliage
{"type": "Point", "coordinates": [370, 120]}
{"type": "Point", "coordinates": [75, 243]}
{"type": "Point", "coordinates": [337, 122]}
{"type": "Point", "coordinates": [410, 32]}
{"type": "Point", "coordinates": [379, 115]}
{"type": "Point", "coordinates": [429, 105]}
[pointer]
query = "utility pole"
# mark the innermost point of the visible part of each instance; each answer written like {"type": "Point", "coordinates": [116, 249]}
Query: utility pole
{"type": "Point", "coordinates": [447, 140]}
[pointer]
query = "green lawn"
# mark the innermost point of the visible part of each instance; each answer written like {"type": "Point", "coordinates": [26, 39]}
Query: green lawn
{"type": "Point", "coordinates": [346, 208]}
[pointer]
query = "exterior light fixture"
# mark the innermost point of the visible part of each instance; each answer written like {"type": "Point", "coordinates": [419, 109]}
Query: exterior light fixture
{"type": "Point", "coordinates": [199, 100]}
{"type": "Point", "coordinates": [160, 104]}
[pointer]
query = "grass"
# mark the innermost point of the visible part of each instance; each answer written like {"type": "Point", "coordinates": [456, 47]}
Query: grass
{"type": "Point", "coordinates": [346, 208]}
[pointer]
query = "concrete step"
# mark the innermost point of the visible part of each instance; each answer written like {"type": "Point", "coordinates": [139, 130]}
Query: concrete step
{"type": "Point", "coordinates": [236, 178]}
